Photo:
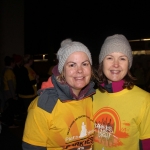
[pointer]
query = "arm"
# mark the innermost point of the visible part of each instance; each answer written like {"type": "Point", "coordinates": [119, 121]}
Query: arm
{"type": "Point", "coordinates": [11, 82]}
{"type": "Point", "coordinates": [36, 128]}
{"type": "Point", "coordinates": [11, 88]}
{"type": "Point", "coordinates": [144, 144]}
{"type": "Point", "coordinates": [144, 126]}
{"type": "Point", "coordinates": [26, 146]}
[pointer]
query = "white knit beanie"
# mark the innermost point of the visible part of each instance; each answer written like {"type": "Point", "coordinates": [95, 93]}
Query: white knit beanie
{"type": "Point", "coordinates": [116, 43]}
{"type": "Point", "coordinates": [67, 48]}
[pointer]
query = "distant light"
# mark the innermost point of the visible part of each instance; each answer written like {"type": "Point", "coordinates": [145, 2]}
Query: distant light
{"type": "Point", "coordinates": [43, 56]}
{"type": "Point", "coordinates": [134, 40]}
{"type": "Point", "coordinates": [141, 52]}
{"type": "Point", "coordinates": [145, 39]}
{"type": "Point", "coordinates": [139, 40]}
{"type": "Point", "coordinates": [138, 52]}
{"type": "Point", "coordinates": [40, 60]}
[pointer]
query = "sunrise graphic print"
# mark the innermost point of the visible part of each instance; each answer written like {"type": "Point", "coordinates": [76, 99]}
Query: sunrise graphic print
{"type": "Point", "coordinates": [108, 128]}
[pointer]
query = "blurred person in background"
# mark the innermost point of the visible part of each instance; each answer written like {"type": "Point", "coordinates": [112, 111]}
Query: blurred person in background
{"type": "Point", "coordinates": [9, 91]}
{"type": "Point", "coordinates": [2, 100]}
{"type": "Point", "coordinates": [27, 82]}
{"type": "Point", "coordinates": [121, 109]}
{"type": "Point", "coordinates": [18, 59]}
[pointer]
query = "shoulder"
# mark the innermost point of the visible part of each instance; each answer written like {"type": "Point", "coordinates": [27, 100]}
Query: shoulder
{"type": "Point", "coordinates": [35, 110]}
{"type": "Point", "coordinates": [98, 92]}
{"type": "Point", "coordinates": [48, 99]}
{"type": "Point", "coordinates": [9, 72]}
{"type": "Point", "coordinates": [138, 91]}
{"type": "Point", "coordinates": [98, 95]}
{"type": "Point", "coordinates": [139, 96]}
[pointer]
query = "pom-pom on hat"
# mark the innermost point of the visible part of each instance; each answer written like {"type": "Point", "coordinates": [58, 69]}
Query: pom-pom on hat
{"type": "Point", "coordinates": [67, 48]}
{"type": "Point", "coordinates": [116, 43]}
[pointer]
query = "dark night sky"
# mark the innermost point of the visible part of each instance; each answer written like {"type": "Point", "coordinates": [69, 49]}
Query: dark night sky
{"type": "Point", "coordinates": [48, 23]}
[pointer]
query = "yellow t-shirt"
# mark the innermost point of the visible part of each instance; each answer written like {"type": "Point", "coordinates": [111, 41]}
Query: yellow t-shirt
{"type": "Point", "coordinates": [68, 126]}
{"type": "Point", "coordinates": [121, 119]}
{"type": "Point", "coordinates": [9, 75]}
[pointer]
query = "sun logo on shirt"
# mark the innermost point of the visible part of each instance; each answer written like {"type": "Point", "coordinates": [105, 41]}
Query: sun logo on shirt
{"type": "Point", "coordinates": [108, 127]}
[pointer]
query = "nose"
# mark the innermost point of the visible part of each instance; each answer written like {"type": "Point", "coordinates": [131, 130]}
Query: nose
{"type": "Point", "coordinates": [79, 69]}
{"type": "Point", "coordinates": [116, 63]}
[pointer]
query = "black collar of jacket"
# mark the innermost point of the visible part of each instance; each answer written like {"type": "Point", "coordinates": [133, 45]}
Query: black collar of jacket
{"type": "Point", "coordinates": [108, 88]}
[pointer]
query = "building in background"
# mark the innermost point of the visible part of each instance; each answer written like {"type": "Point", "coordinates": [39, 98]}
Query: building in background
{"type": "Point", "coordinates": [12, 28]}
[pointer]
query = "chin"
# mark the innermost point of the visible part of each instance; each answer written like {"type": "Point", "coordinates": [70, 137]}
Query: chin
{"type": "Point", "coordinates": [80, 87]}
{"type": "Point", "coordinates": [115, 80]}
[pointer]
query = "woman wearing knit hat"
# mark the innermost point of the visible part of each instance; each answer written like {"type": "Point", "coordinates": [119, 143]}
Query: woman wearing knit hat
{"type": "Point", "coordinates": [121, 109]}
{"type": "Point", "coordinates": [61, 116]}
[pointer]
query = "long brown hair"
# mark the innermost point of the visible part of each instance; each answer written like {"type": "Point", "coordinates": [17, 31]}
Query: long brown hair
{"type": "Point", "coordinates": [101, 78]}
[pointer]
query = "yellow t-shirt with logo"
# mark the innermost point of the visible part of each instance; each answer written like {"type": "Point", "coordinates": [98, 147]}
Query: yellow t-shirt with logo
{"type": "Point", "coordinates": [121, 119]}
{"type": "Point", "coordinates": [69, 125]}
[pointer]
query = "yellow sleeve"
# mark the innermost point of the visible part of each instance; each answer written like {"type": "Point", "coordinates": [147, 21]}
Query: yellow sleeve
{"type": "Point", "coordinates": [144, 126]}
{"type": "Point", "coordinates": [9, 75]}
{"type": "Point", "coordinates": [37, 125]}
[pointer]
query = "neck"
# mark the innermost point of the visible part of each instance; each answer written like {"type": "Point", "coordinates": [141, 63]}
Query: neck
{"type": "Point", "coordinates": [114, 86]}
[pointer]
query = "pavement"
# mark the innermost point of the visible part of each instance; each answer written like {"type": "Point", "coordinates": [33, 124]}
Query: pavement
{"type": "Point", "coordinates": [11, 139]}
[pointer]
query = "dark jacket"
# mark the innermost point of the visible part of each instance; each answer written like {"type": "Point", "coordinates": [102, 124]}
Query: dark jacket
{"type": "Point", "coordinates": [24, 85]}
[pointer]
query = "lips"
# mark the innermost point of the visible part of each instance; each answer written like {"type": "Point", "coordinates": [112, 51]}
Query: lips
{"type": "Point", "coordinates": [79, 78]}
{"type": "Point", "coordinates": [115, 71]}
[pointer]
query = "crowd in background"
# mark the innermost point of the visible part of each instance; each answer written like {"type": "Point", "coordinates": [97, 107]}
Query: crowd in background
{"type": "Point", "coordinates": [19, 83]}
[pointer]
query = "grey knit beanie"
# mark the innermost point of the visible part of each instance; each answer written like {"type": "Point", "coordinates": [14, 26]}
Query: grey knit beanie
{"type": "Point", "coordinates": [116, 43]}
{"type": "Point", "coordinates": [67, 48]}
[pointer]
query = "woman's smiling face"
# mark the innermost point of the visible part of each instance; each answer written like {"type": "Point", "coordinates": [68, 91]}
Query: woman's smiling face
{"type": "Point", "coordinates": [77, 71]}
{"type": "Point", "coordinates": [115, 66]}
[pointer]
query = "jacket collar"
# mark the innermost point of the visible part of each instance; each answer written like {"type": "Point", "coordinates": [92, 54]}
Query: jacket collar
{"type": "Point", "coordinates": [64, 91]}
